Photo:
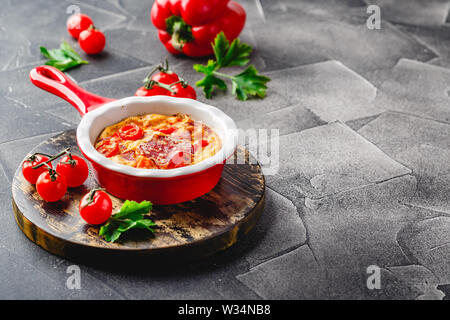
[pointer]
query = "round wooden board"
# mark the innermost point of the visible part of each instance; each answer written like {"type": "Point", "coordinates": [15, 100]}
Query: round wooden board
{"type": "Point", "coordinates": [189, 230]}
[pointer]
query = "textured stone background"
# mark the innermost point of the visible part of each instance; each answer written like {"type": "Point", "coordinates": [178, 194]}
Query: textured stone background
{"type": "Point", "coordinates": [364, 119]}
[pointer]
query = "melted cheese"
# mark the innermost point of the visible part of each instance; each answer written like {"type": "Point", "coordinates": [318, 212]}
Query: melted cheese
{"type": "Point", "coordinates": [167, 142]}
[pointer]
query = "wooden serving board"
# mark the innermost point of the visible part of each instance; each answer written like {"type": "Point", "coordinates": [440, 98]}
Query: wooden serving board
{"type": "Point", "coordinates": [190, 230]}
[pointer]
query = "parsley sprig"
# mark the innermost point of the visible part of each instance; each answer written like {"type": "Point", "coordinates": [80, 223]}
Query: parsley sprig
{"type": "Point", "coordinates": [130, 216]}
{"type": "Point", "coordinates": [63, 58]}
{"type": "Point", "coordinates": [246, 84]}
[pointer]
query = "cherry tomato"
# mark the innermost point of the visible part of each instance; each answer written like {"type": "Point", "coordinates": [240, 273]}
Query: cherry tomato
{"type": "Point", "coordinates": [92, 40]}
{"type": "Point", "coordinates": [131, 132]}
{"type": "Point", "coordinates": [168, 130]}
{"type": "Point", "coordinates": [109, 147]}
{"type": "Point", "coordinates": [74, 169]}
{"type": "Point", "coordinates": [78, 23]}
{"type": "Point", "coordinates": [154, 91]}
{"type": "Point", "coordinates": [168, 77]}
{"type": "Point", "coordinates": [185, 91]}
{"type": "Point", "coordinates": [167, 83]}
{"type": "Point", "coordinates": [51, 186]}
{"type": "Point", "coordinates": [95, 207]}
{"type": "Point", "coordinates": [30, 174]}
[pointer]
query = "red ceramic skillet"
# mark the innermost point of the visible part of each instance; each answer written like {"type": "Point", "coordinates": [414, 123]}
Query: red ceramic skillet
{"type": "Point", "coordinates": [125, 182]}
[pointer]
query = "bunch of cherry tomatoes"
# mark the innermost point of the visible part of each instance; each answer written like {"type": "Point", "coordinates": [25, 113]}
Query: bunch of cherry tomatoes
{"type": "Point", "coordinates": [163, 81]}
{"type": "Point", "coordinates": [70, 172]}
{"type": "Point", "coordinates": [90, 39]}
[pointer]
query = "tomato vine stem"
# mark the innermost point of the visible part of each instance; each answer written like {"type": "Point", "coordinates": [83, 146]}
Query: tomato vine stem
{"type": "Point", "coordinates": [91, 196]}
{"type": "Point", "coordinates": [65, 151]}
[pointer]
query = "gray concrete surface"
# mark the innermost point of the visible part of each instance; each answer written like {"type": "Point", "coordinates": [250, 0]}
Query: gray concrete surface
{"type": "Point", "coordinates": [364, 123]}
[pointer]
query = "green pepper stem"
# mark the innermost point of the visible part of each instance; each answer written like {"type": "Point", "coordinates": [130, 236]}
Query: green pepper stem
{"type": "Point", "coordinates": [177, 43]}
{"type": "Point", "coordinates": [180, 31]}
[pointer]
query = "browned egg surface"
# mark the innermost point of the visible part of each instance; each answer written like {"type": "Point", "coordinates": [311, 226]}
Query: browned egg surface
{"type": "Point", "coordinates": [156, 141]}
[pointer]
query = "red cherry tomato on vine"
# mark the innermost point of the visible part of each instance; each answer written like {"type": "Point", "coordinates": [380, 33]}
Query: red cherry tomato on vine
{"type": "Point", "coordinates": [74, 169]}
{"type": "Point", "coordinates": [166, 83]}
{"type": "Point", "coordinates": [30, 174]}
{"type": "Point", "coordinates": [109, 147]}
{"type": "Point", "coordinates": [78, 23]}
{"type": "Point", "coordinates": [92, 40]}
{"type": "Point", "coordinates": [131, 132]}
{"type": "Point", "coordinates": [95, 207]}
{"type": "Point", "coordinates": [183, 91]}
{"type": "Point", "coordinates": [154, 91]}
{"type": "Point", "coordinates": [166, 77]}
{"type": "Point", "coordinates": [51, 186]}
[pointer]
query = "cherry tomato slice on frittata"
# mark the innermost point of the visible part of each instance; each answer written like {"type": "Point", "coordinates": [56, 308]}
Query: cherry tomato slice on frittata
{"type": "Point", "coordinates": [131, 132]}
{"type": "Point", "coordinates": [109, 147]}
{"type": "Point", "coordinates": [168, 130]}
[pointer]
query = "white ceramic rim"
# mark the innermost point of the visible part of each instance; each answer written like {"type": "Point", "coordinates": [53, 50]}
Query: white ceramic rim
{"type": "Point", "coordinates": [118, 110]}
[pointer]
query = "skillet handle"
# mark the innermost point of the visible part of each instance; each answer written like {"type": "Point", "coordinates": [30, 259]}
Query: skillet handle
{"type": "Point", "coordinates": [54, 81]}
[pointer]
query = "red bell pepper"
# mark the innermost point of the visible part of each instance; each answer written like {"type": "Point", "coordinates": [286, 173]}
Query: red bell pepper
{"type": "Point", "coordinates": [190, 26]}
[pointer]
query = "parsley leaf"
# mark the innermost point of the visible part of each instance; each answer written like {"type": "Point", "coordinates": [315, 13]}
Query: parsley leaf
{"type": "Point", "coordinates": [246, 84]}
{"type": "Point", "coordinates": [209, 82]}
{"type": "Point", "coordinates": [208, 69]}
{"type": "Point", "coordinates": [236, 54]}
{"type": "Point", "coordinates": [130, 216]}
{"type": "Point", "coordinates": [63, 58]}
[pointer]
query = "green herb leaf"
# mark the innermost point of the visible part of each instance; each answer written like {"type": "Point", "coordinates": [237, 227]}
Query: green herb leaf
{"type": "Point", "coordinates": [62, 65]}
{"type": "Point", "coordinates": [133, 209]}
{"type": "Point", "coordinates": [249, 83]}
{"type": "Point", "coordinates": [246, 84]}
{"type": "Point", "coordinates": [70, 52]}
{"type": "Point", "coordinates": [63, 58]}
{"type": "Point", "coordinates": [220, 47]}
{"type": "Point", "coordinates": [209, 82]}
{"type": "Point", "coordinates": [45, 52]}
{"type": "Point", "coordinates": [236, 54]}
{"type": "Point", "coordinates": [145, 224]}
{"type": "Point", "coordinates": [109, 232]}
{"type": "Point", "coordinates": [208, 69]}
{"type": "Point", "coordinates": [130, 216]}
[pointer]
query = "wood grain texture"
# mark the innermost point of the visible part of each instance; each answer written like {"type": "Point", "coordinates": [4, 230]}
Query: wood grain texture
{"type": "Point", "coordinates": [190, 230]}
